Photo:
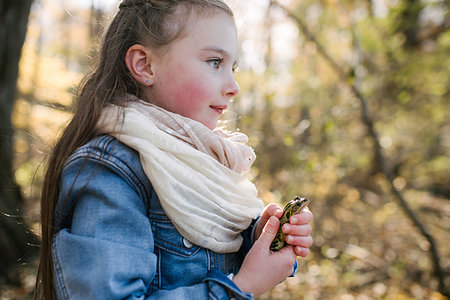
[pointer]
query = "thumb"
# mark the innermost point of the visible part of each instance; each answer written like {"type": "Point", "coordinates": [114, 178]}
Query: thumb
{"type": "Point", "coordinates": [271, 210]}
{"type": "Point", "coordinates": [269, 231]}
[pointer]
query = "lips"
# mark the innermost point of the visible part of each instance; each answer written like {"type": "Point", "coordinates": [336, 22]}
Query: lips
{"type": "Point", "coordinates": [218, 108]}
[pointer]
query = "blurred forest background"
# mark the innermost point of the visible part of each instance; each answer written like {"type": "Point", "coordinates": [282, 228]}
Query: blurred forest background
{"type": "Point", "coordinates": [345, 102]}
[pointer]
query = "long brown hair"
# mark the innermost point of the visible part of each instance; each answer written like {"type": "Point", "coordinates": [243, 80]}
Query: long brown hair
{"type": "Point", "coordinates": [152, 23]}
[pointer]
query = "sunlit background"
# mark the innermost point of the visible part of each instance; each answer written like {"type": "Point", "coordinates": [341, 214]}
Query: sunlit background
{"type": "Point", "coordinates": [345, 102]}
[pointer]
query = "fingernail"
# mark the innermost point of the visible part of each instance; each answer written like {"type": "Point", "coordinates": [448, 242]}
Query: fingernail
{"type": "Point", "coordinates": [304, 252]}
{"type": "Point", "coordinates": [286, 227]}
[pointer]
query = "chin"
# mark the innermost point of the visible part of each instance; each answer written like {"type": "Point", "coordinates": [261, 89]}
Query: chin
{"type": "Point", "coordinates": [210, 124]}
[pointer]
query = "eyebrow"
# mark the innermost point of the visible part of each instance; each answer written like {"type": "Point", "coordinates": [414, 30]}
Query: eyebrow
{"type": "Point", "coordinates": [221, 51]}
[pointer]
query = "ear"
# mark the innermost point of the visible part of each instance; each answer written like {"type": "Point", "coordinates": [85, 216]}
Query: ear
{"type": "Point", "coordinates": [138, 60]}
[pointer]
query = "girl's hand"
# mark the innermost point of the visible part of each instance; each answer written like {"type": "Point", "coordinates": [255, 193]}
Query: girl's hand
{"type": "Point", "coordinates": [262, 269]}
{"type": "Point", "coordinates": [298, 231]}
{"type": "Point", "coordinates": [270, 210]}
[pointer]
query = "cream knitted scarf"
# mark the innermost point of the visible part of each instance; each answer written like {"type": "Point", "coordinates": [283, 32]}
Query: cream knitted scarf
{"type": "Point", "coordinates": [198, 174]}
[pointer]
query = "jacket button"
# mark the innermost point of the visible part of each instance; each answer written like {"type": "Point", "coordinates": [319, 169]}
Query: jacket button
{"type": "Point", "coordinates": [187, 244]}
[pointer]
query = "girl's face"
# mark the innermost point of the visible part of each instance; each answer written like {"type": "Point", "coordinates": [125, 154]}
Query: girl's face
{"type": "Point", "coordinates": [194, 78]}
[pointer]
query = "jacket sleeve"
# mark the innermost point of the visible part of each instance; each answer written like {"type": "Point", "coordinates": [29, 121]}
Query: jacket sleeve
{"type": "Point", "coordinates": [105, 250]}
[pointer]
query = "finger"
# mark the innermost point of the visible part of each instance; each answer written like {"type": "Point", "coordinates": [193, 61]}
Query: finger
{"type": "Point", "coordinates": [302, 230]}
{"type": "Point", "coordinates": [300, 251]}
{"type": "Point", "coordinates": [269, 232]}
{"type": "Point", "coordinates": [271, 227]}
{"type": "Point", "coordinates": [302, 241]}
{"type": "Point", "coordinates": [271, 210]}
{"type": "Point", "coordinates": [303, 217]}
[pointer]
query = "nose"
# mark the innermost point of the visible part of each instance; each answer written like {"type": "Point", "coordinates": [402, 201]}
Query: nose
{"type": "Point", "coordinates": [231, 89]}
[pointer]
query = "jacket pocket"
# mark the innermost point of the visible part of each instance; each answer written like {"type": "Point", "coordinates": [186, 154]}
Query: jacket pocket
{"type": "Point", "coordinates": [180, 263]}
{"type": "Point", "coordinates": [167, 238]}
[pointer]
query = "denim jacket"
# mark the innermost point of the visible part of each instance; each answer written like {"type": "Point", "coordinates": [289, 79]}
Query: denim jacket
{"type": "Point", "coordinates": [114, 241]}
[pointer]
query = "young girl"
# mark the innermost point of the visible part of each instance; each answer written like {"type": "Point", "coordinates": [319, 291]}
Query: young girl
{"type": "Point", "coordinates": [143, 197]}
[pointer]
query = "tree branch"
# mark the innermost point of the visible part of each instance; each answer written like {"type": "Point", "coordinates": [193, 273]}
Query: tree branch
{"type": "Point", "coordinates": [29, 97]}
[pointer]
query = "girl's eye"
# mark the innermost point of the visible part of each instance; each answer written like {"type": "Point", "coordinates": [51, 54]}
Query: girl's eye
{"type": "Point", "coordinates": [215, 62]}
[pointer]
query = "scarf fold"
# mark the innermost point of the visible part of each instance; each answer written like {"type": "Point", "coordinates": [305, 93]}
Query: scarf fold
{"type": "Point", "coordinates": [198, 174]}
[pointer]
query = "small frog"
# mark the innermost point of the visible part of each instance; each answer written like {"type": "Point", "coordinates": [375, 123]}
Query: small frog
{"type": "Point", "coordinates": [293, 207]}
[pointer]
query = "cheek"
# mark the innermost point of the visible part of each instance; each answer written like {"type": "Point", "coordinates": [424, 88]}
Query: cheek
{"type": "Point", "coordinates": [191, 94]}
{"type": "Point", "coordinates": [190, 89]}
{"type": "Point", "coordinates": [187, 81]}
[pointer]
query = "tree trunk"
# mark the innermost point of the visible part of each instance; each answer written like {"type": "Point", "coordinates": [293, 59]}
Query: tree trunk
{"type": "Point", "coordinates": [15, 239]}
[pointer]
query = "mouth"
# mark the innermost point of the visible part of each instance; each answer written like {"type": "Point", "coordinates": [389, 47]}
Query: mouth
{"type": "Point", "coordinates": [218, 108]}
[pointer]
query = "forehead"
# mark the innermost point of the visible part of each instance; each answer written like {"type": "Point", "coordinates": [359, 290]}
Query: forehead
{"type": "Point", "coordinates": [209, 27]}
